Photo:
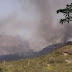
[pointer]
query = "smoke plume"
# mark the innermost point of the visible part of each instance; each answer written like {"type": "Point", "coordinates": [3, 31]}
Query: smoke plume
{"type": "Point", "coordinates": [37, 22]}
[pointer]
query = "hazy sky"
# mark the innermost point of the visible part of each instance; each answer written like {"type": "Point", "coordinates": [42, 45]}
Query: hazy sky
{"type": "Point", "coordinates": [34, 20]}
{"type": "Point", "coordinates": [18, 17]}
{"type": "Point", "coordinates": [7, 7]}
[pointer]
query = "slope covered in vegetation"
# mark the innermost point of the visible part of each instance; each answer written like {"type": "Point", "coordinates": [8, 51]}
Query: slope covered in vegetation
{"type": "Point", "coordinates": [53, 62]}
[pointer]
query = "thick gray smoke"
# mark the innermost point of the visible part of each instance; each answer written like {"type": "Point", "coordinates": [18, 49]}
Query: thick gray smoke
{"type": "Point", "coordinates": [48, 28]}
{"type": "Point", "coordinates": [37, 22]}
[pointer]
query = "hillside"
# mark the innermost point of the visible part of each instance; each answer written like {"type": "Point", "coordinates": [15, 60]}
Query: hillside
{"type": "Point", "coordinates": [57, 61]}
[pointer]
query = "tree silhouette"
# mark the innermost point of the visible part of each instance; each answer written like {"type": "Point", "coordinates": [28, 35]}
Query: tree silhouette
{"type": "Point", "coordinates": [67, 12]}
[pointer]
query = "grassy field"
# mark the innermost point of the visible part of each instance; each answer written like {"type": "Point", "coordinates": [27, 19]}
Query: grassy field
{"type": "Point", "coordinates": [53, 62]}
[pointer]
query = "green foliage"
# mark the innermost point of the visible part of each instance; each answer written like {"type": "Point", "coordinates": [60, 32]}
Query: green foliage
{"type": "Point", "coordinates": [67, 12]}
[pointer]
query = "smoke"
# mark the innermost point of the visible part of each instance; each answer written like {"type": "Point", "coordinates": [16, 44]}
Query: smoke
{"type": "Point", "coordinates": [49, 28]}
{"type": "Point", "coordinates": [11, 45]}
{"type": "Point", "coordinates": [67, 32]}
{"type": "Point", "coordinates": [37, 22]}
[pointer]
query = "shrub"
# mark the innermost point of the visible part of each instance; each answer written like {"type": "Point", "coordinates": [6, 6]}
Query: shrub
{"type": "Point", "coordinates": [51, 60]}
{"type": "Point", "coordinates": [1, 70]}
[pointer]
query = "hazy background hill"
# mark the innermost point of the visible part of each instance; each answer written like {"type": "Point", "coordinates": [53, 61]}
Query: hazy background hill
{"type": "Point", "coordinates": [11, 45]}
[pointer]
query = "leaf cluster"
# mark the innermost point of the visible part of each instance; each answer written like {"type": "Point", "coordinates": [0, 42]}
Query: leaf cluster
{"type": "Point", "coordinates": [67, 12]}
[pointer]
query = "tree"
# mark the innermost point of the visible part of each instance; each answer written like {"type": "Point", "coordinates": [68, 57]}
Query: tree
{"type": "Point", "coordinates": [67, 12]}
